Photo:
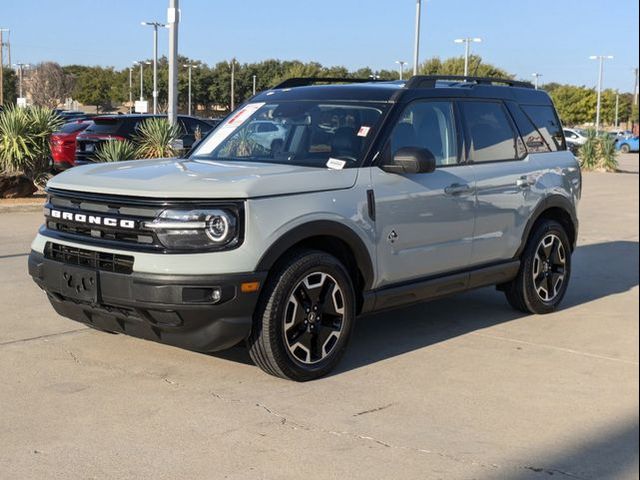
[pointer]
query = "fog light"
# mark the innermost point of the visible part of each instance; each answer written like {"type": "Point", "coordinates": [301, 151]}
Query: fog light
{"type": "Point", "coordinates": [216, 295]}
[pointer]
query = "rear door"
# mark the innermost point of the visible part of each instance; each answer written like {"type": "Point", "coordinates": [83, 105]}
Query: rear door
{"type": "Point", "coordinates": [505, 174]}
{"type": "Point", "coordinates": [425, 221]}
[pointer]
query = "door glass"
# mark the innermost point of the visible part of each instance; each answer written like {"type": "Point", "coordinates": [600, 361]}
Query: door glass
{"type": "Point", "coordinates": [492, 136]}
{"type": "Point", "coordinates": [428, 125]}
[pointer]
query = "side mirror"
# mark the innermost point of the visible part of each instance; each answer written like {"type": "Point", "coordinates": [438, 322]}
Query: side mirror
{"type": "Point", "coordinates": [411, 160]}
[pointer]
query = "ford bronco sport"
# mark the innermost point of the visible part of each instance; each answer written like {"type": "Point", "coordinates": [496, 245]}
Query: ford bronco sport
{"type": "Point", "coordinates": [366, 196]}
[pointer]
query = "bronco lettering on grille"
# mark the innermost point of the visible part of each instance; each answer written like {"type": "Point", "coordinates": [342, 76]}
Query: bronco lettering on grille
{"type": "Point", "coordinates": [93, 219]}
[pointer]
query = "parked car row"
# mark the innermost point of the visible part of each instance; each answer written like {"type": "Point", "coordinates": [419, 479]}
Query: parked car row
{"type": "Point", "coordinates": [78, 140]}
{"type": "Point", "coordinates": [625, 140]}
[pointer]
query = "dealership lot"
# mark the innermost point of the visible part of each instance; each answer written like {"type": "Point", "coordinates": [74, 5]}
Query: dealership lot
{"type": "Point", "coordinates": [463, 387]}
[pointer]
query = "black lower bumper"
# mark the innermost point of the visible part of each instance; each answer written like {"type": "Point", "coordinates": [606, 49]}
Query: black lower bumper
{"type": "Point", "coordinates": [173, 309]}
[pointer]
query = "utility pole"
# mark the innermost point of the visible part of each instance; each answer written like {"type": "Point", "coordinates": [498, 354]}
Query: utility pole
{"type": "Point", "coordinates": [402, 63]}
{"type": "Point", "coordinates": [233, 81]}
{"type": "Point", "coordinates": [254, 84]}
{"type": "Point", "coordinates": [617, 107]}
{"type": "Point", "coordinates": [20, 67]}
{"type": "Point", "coordinates": [173, 19]}
{"type": "Point", "coordinates": [189, 66]}
{"type": "Point", "coordinates": [601, 59]}
{"type": "Point", "coordinates": [2, 30]}
{"type": "Point", "coordinates": [155, 26]}
{"type": "Point", "coordinates": [416, 46]}
{"type": "Point", "coordinates": [467, 41]}
{"type": "Point", "coordinates": [635, 87]}
{"type": "Point", "coordinates": [536, 76]}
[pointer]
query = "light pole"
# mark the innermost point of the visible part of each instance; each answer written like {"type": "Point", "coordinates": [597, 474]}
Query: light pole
{"type": "Point", "coordinates": [232, 64]}
{"type": "Point", "coordinates": [601, 59]}
{"type": "Point", "coordinates": [416, 46]}
{"type": "Point", "coordinates": [155, 26]}
{"type": "Point", "coordinates": [189, 66]}
{"type": "Point", "coordinates": [141, 63]}
{"type": "Point", "coordinates": [2, 30]}
{"type": "Point", "coordinates": [20, 67]}
{"type": "Point", "coordinates": [130, 88]}
{"type": "Point", "coordinates": [467, 41]}
{"type": "Point", "coordinates": [254, 84]}
{"type": "Point", "coordinates": [536, 76]}
{"type": "Point", "coordinates": [173, 19]}
{"type": "Point", "coordinates": [402, 63]}
{"type": "Point", "coordinates": [617, 107]}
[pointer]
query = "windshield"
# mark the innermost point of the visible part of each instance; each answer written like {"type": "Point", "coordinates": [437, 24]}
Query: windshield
{"type": "Point", "coordinates": [306, 133]}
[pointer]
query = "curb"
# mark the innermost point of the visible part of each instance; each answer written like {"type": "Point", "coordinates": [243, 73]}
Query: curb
{"type": "Point", "coordinates": [22, 208]}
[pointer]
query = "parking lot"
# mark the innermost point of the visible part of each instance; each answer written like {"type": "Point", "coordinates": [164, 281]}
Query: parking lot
{"type": "Point", "coordinates": [463, 387]}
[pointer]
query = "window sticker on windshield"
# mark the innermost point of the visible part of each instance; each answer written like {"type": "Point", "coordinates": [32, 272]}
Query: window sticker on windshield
{"type": "Point", "coordinates": [335, 163]}
{"type": "Point", "coordinates": [228, 127]}
{"type": "Point", "coordinates": [364, 131]}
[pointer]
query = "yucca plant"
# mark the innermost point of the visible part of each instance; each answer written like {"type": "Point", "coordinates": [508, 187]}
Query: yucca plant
{"type": "Point", "coordinates": [608, 160]}
{"type": "Point", "coordinates": [155, 138]}
{"type": "Point", "coordinates": [589, 151]}
{"type": "Point", "coordinates": [116, 151]}
{"type": "Point", "coordinates": [24, 139]}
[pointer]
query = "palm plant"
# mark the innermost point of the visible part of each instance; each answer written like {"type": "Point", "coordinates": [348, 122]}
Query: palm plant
{"type": "Point", "coordinates": [24, 139]}
{"type": "Point", "coordinates": [589, 151]}
{"type": "Point", "coordinates": [608, 160]}
{"type": "Point", "coordinates": [156, 138]}
{"type": "Point", "coordinates": [116, 151]}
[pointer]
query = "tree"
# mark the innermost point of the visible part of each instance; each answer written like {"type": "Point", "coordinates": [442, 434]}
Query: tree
{"type": "Point", "coordinates": [98, 86]}
{"type": "Point", "coordinates": [455, 66]}
{"type": "Point", "coordinates": [575, 105]}
{"type": "Point", "coordinates": [49, 85]}
{"type": "Point", "coordinates": [9, 85]}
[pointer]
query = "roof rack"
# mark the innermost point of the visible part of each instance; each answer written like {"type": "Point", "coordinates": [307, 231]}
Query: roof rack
{"type": "Point", "coordinates": [304, 81]}
{"type": "Point", "coordinates": [429, 81]}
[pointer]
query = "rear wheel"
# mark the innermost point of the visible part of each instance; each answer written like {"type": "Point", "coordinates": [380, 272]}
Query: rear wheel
{"type": "Point", "coordinates": [544, 270]}
{"type": "Point", "coordinates": [304, 318]}
{"type": "Point", "coordinates": [624, 148]}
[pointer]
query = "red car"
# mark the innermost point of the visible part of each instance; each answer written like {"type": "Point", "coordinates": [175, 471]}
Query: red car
{"type": "Point", "coordinates": [63, 144]}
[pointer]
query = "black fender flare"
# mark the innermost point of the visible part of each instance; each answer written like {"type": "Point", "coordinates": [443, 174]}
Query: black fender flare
{"type": "Point", "coordinates": [321, 228]}
{"type": "Point", "coordinates": [552, 201]}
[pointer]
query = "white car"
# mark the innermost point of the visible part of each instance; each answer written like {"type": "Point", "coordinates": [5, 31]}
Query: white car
{"type": "Point", "coordinates": [574, 135]}
{"type": "Point", "coordinates": [264, 132]}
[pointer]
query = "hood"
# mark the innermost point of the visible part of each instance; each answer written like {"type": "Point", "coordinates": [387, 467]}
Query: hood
{"type": "Point", "coordinates": [179, 178]}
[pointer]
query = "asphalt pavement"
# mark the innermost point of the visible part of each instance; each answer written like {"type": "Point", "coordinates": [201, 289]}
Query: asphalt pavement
{"type": "Point", "coordinates": [459, 388]}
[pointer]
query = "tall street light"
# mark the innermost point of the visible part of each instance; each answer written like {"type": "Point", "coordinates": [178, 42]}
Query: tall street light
{"type": "Point", "coordinates": [467, 42]}
{"type": "Point", "coordinates": [189, 66]}
{"type": "Point", "coordinates": [601, 59]}
{"type": "Point", "coordinates": [20, 67]}
{"type": "Point", "coordinates": [142, 64]}
{"type": "Point", "coordinates": [536, 76]}
{"type": "Point", "coordinates": [254, 84]}
{"type": "Point", "coordinates": [155, 26]}
{"type": "Point", "coordinates": [232, 65]}
{"type": "Point", "coordinates": [173, 19]}
{"type": "Point", "coordinates": [130, 88]}
{"type": "Point", "coordinates": [402, 63]}
{"type": "Point", "coordinates": [416, 46]}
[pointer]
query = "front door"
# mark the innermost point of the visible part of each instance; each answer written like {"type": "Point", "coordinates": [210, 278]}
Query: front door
{"type": "Point", "coordinates": [425, 221]}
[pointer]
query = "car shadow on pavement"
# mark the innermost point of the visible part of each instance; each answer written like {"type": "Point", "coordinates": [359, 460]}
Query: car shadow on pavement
{"type": "Point", "coordinates": [599, 270]}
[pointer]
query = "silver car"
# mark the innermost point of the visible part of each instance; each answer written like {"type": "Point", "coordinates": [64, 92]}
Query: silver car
{"type": "Point", "coordinates": [371, 196]}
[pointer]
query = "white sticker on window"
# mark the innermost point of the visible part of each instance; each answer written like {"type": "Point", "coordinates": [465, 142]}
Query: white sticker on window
{"type": "Point", "coordinates": [228, 127]}
{"type": "Point", "coordinates": [364, 131]}
{"type": "Point", "coordinates": [335, 163]}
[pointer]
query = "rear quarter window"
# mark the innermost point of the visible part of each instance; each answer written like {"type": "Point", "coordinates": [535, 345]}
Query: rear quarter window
{"type": "Point", "coordinates": [546, 121]}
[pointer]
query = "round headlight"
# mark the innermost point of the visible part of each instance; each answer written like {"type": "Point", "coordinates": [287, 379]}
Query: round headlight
{"type": "Point", "coordinates": [217, 227]}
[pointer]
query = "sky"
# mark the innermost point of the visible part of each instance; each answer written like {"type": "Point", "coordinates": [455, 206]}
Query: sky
{"type": "Point", "coordinates": [551, 37]}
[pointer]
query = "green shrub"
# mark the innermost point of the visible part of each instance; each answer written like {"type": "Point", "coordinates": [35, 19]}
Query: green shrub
{"type": "Point", "coordinates": [24, 139]}
{"type": "Point", "coordinates": [155, 138]}
{"type": "Point", "coordinates": [116, 151]}
{"type": "Point", "coordinates": [589, 151]}
{"type": "Point", "coordinates": [608, 160]}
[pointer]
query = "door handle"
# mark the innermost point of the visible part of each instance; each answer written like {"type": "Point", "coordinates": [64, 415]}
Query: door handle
{"type": "Point", "coordinates": [457, 189]}
{"type": "Point", "coordinates": [524, 182]}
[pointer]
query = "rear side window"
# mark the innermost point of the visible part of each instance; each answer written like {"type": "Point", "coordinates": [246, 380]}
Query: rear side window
{"type": "Point", "coordinates": [546, 121]}
{"type": "Point", "coordinates": [106, 126]}
{"type": "Point", "coordinates": [533, 140]}
{"type": "Point", "coordinates": [491, 134]}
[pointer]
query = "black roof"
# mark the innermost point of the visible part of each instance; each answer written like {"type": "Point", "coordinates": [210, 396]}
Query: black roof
{"type": "Point", "coordinates": [396, 91]}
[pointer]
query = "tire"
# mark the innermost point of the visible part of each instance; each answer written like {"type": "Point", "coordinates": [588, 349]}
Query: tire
{"type": "Point", "coordinates": [624, 148]}
{"type": "Point", "coordinates": [290, 339]}
{"type": "Point", "coordinates": [545, 270]}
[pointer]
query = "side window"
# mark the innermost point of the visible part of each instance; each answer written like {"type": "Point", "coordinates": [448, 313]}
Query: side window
{"type": "Point", "coordinates": [545, 119]}
{"type": "Point", "coordinates": [534, 142]}
{"type": "Point", "coordinates": [490, 131]}
{"type": "Point", "coordinates": [429, 125]}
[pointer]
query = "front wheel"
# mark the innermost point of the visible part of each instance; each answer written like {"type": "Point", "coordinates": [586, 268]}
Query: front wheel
{"type": "Point", "coordinates": [625, 148]}
{"type": "Point", "coordinates": [544, 272]}
{"type": "Point", "coordinates": [304, 318]}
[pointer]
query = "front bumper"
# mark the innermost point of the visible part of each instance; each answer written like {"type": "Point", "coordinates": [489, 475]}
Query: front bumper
{"type": "Point", "coordinates": [172, 309]}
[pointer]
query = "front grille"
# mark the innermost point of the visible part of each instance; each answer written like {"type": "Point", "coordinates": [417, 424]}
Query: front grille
{"type": "Point", "coordinates": [108, 262]}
